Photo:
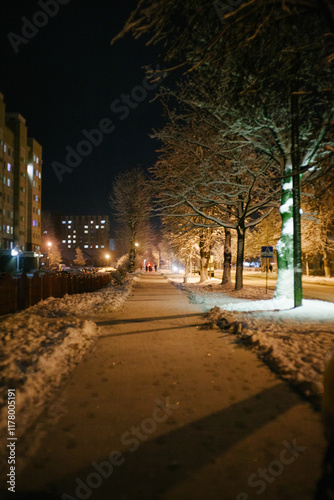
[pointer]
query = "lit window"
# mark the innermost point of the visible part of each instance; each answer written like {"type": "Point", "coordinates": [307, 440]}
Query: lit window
{"type": "Point", "coordinates": [86, 227]}
{"type": "Point", "coordinates": [103, 221]}
{"type": "Point", "coordinates": [39, 175]}
{"type": "Point", "coordinates": [34, 184]}
{"type": "Point", "coordinates": [8, 229]}
{"type": "Point", "coordinates": [92, 222]}
{"type": "Point", "coordinates": [85, 246]}
{"type": "Point", "coordinates": [69, 246]}
{"type": "Point", "coordinates": [5, 148]}
{"type": "Point", "coordinates": [39, 211]}
{"type": "Point", "coordinates": [102, 246]}
{"type": "Point", "coordinates": [69, 222]}
{"type": "Point", "coordinates": [64, 241]}
{"type": "Point", "coordinates": [8, 182]}
{"type": "Point", "coordinates": [96, 246]}
{"type": "Point", "coordinates": [4, 180]}
{"type": "Point", "coordinates": [69, 241]}
{"type": "Point", "coordinates": [36, 197]}
{"type": "Point", "coordinates": [86, 232]}
{"type": "Point", "coordinates": [34, 223]}
{"type": "Point", "coordinates": [102, 227]}
{"type": "Point", "coordinates": [34, 158]}
{"type": "Point", "coordinates": [69, 227]}
{"type": "Point", "coordinates": [9, 167]}
{"type": "Point", "coordinates": [37, 160]}
{"type": "Point", "coordinates": [63, 222]}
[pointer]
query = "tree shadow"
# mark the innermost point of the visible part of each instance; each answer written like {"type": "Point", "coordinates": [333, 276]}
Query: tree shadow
{"type": "Point", "coordinates": [160, 463]}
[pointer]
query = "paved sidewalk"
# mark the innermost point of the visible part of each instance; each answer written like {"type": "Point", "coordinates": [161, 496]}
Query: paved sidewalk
{"type": "Point", "coordinates": [161, 409]}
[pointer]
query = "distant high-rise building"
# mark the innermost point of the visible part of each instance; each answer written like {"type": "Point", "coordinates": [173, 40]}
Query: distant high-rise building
{"type": "Point", "coordinates": [20, 193]}
{"type": "Point", "coordinates": [88, 232]}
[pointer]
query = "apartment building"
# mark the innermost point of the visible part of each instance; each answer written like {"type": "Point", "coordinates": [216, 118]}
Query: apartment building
{"type": "Point", "coordinates": [88, 232]}
{"type": "Point", "coordinates": [20, 193]}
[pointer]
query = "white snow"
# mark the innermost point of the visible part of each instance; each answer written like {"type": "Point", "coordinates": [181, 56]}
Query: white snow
{"type": "Point", "coordinates": [41, 345]}
{"type": "Point", "coordinates": [287, 228]}
{"type": "Point", "coordinates": [287, 205]}
{"type": "Point", "coordinates": [296, 343]}
{"type": "Point", "coordinates": [287, 185]}
{"type": "Point", "coordinates": [284, 284]}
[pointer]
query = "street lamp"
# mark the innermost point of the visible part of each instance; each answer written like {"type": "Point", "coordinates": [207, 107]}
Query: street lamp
{"type": "Point", "coordinates": [107, 257]}
{"type": "Point", "coordinates": [16, 253]}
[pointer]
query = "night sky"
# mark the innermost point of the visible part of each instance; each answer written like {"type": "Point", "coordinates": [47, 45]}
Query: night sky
{"type": "Point", "coordinates": [64, 80]}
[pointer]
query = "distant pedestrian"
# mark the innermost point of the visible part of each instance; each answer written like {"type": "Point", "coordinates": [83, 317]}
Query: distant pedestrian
{"type": "Point", "coordinates": [146, 268]}
{"type": "Point", "coordinates": [155, 268]}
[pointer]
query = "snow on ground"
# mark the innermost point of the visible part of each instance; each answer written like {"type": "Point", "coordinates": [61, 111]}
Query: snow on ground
{"type": "Point", "coordinates": [296, 343]}
{"type": "Point", "coordinates": [41, 345]}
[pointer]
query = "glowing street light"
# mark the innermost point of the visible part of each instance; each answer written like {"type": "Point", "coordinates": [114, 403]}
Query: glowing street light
{"type": "Point", "coordinates": [107, 257]}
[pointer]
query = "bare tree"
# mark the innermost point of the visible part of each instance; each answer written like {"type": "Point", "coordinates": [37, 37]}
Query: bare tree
{"type": "Point", "coordinates": [318, 223]}
{"type": "Point", "coordinates": [210, 184]}
{"type": "Point", "coordinates": [130, 200]}
{"type": "Point", "coordinates": [269, 61]}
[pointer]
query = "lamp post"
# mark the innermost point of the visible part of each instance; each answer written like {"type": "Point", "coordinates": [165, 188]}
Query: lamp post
{"type": "Point", "coordinates": [49, 253]}
{"type": "Point", "coordinates": [107, 257]}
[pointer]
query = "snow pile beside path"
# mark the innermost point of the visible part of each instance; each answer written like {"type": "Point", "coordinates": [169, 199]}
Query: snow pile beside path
{"type": "Point", "coordinates": [297, 344]}
{"type": "Point", "coordinates": [36, 356]}
{"type": "Point", "coordinates": [106, 299]}
{"type": "Point", "coordinates": [40, 346]}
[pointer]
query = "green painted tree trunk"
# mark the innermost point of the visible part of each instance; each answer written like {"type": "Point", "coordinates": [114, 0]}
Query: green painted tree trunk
{"type": "Point", "coordinates": [284, 247]}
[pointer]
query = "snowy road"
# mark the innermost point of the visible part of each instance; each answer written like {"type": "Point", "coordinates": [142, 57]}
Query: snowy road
{"type": "Point", "coordinates": [190, 414]}
{"type": "Point", "coordinates": [315, 291]}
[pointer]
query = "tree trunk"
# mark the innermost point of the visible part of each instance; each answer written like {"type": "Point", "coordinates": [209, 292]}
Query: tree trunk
{"type": "Point", "coordinates": [205, 254]}
{"type": "Point", "coordinates": [284, 247]}
{"type": "Point", "coordinates": [327, 268]}
{"type": "Point", "coordinates": [132, 253]}
{"type": "Point", "coordinates": [240, 257]}
{"type": "Point", "coordinates": [307, 267]}
{"type": "Point", "coordinates": [227, 257]}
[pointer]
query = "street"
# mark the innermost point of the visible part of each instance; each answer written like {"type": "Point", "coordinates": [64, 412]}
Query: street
{"type": "Point", "coordinates": [311, 290]}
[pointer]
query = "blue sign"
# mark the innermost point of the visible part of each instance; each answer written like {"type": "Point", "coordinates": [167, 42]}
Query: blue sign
{"type": "Point", "coordinates": [267, 252]}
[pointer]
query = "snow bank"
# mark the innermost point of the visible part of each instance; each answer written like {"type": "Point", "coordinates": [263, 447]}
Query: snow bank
{"type": "Point", "coordinates": [41, 345]}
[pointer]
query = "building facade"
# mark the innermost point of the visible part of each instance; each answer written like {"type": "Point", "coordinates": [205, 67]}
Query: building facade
{"type": "Point", "coordinates": [20, 193]}
{"type": "Point", "coordinates": [88, 232]}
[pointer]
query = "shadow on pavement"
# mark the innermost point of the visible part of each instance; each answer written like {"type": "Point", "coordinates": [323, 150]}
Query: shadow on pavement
{"type": "Point", "coordinates": [160, 463]}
